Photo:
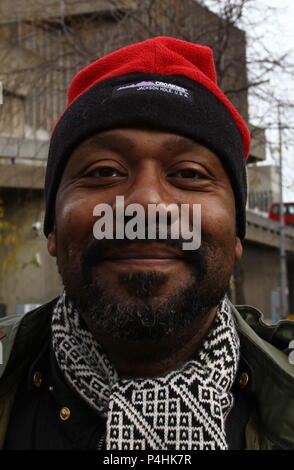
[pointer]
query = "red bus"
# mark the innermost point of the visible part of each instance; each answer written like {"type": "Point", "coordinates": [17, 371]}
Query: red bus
{"type": "Point", "coordinates": [274, 212]}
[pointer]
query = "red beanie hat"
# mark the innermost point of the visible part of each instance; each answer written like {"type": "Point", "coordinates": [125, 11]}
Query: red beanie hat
{"type": "Point", "coordinates": [165, 83]}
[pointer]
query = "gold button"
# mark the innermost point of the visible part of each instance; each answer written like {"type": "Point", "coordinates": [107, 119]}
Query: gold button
{"type": "Point", "coordinates": [244, 379]}
{"type": "Point", "coordinates": [64, 413]}
{"type": "Point", "coordinates": [37, 379]}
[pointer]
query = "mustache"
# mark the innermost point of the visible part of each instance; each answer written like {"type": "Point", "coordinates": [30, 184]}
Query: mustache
{"type": "Point", "coordinates": [96, 249]}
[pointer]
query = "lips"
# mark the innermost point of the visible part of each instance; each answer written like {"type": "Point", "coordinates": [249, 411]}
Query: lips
{"type": "Point", "coordinates": [142, 253]}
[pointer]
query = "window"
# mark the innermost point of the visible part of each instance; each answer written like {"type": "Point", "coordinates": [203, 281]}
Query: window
{"type": "Point", "coordinates": [290, 209]}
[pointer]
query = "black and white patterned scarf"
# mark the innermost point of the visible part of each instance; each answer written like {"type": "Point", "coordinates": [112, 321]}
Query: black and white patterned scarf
{"type": "Point", "coordinates": [183, 410]}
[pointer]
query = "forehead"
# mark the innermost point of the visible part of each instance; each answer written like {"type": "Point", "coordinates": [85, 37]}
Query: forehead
{"type": "Point", "coordinates": [132, 137]}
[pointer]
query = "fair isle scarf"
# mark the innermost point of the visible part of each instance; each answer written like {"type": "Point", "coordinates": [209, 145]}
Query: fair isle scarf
{"type": "Point", "coordinates": [183, 410]}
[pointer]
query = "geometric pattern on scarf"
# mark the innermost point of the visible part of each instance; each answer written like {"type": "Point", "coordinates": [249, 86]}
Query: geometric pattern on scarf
{"type": "Point", "coordinates": [184, 410]}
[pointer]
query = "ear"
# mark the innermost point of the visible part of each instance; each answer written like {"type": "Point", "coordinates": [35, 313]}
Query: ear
{"type": "Point", "coordinates": [238, 249]}
{"type": "Point", "coordinates": [51, 244]}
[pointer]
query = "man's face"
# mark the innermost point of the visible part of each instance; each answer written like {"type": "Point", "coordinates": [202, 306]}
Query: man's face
{"type": "Point", "coordinates": [135, 289]}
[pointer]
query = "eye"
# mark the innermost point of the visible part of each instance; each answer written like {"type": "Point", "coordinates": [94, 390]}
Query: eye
{"type": "Point", "coordinates": [187, 174]}
{"type": "Point", "coordinates": [104, 172]}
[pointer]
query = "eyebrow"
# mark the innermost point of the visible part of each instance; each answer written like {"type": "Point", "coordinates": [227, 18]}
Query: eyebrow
{"type": "Point", "coordinates": [115, 140]}
{"type": "Point", "coordinates": [180, 142]}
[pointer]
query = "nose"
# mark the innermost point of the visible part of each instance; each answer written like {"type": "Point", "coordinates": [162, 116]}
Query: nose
{"type": "Point", "coordinates": [148, 186]}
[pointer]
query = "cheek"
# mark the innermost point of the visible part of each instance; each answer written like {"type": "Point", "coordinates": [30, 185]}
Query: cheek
{"type": "Point", "coordinates": [75, 216]}
{"type": "Point", "coordinates": [218, 223]}
{"type": "Point", "coordinates": [74, 226]}
{"type": "Point", "coordinates": [219, 239]}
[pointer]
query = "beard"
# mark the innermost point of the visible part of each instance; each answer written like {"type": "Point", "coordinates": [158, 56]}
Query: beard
{"type": "Point", "coordinates": [145, 315]}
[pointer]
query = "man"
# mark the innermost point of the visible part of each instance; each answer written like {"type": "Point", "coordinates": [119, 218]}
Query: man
{"type": "Point", "coordinates": [143, 349]}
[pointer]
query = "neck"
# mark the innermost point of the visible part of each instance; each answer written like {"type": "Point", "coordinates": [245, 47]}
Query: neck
{"type": "Point", "coordinates": [153, 358]}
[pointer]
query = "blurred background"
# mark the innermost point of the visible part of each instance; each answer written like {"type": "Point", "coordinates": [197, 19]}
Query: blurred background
{"type": "Point", "coordinates": [43, 43]}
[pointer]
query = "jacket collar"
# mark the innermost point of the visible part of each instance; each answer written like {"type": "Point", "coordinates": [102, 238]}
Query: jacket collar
{"type": "Point", "coordinates": [272, 371]}
{"type": "Point", "coordinates": [22, 337]}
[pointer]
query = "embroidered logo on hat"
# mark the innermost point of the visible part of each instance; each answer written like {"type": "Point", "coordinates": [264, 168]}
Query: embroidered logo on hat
{"type": "Point", "coordinates": [154, 86]}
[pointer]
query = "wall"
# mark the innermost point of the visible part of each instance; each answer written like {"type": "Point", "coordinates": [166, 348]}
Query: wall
{"type": "Point", "coordinates": [260, 265]}
{"type": "Point", "coordinates": [263, 186]}
{"type": "Point", "coordinates": [22, 280]}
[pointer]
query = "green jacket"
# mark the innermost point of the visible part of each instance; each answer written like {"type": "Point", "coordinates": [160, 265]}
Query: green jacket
{"type": "Point", "coordinates": [264, 347]}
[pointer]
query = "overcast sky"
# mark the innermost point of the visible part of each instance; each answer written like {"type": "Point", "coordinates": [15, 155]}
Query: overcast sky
{"type": "Point", "coordinates": [278, 33]}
